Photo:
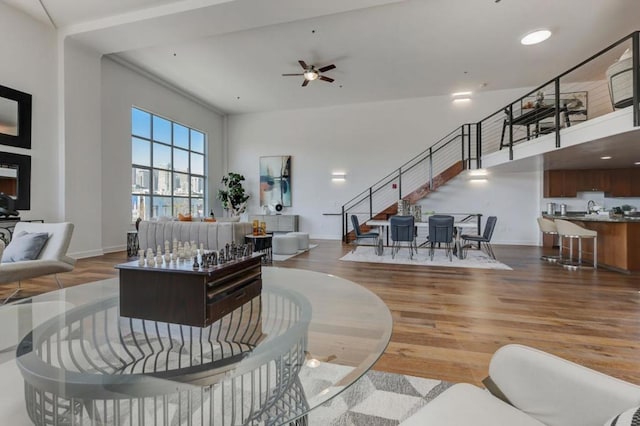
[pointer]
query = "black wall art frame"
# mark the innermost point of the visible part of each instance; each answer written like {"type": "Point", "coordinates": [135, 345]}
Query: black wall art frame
{"type": "Point", "coordinates": [15, 130]}
{"type": "Point", "coordinates": [23, 164]}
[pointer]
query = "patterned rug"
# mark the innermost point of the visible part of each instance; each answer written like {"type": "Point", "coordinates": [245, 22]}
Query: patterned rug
{"type": "Point", "coordinates": [474, 258]}
{"type": "Point", "coordinates": [376, 399]}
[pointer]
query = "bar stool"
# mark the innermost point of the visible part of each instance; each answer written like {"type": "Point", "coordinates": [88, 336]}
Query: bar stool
{"type": "Point", "coordinates": [570, 230]}
{"type": "Point", "coordinates": [548, 226]}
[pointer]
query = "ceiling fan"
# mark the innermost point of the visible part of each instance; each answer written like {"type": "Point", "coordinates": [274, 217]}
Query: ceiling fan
{"type": "Point", "coordinates": [312, 73]}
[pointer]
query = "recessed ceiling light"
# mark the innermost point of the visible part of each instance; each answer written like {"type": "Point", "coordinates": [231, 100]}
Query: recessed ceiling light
{"type": "Point", "coordinates": [535, 37]}
{"type": "Point", "coordinates": [461, 100]}
{"type": "Point", "coordinates": [461, 94]}
{"type": "Point", "coordinates": [606, 157]}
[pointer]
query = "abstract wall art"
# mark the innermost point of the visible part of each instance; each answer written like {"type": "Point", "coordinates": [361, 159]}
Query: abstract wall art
{"type": "Point", "coordinates": [275, 181]}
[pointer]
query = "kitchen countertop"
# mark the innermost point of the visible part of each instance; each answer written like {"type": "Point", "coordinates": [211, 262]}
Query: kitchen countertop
{"type": "Point", "coordinates": [593, 217]}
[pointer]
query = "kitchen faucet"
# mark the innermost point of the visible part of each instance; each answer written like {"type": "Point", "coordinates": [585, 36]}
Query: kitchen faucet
{"type": "Point", "coordinates": [590, 205]}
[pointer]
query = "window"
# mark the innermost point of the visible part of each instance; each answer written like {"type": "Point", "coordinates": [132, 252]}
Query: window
{"type": "Point", "coordinates": [168, 167]}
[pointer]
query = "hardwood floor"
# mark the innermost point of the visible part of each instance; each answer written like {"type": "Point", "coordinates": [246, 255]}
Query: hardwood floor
{"type": "Point", "coordinates": [448, 321]}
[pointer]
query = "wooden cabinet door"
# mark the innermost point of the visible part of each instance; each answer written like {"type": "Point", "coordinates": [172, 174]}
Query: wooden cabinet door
{"type": "Point", "coordinates": [553, 183]}
{"type": "Point", "coordinates": [593, 180]}
{"type": "Point", "coordinates": [569, 183]}
{"type": "Point", "coordinates": [560, 183]}
{"type": "Point", "coordinates": [634, 182]}
{"type": "Point", "coordinates": [620, 183]}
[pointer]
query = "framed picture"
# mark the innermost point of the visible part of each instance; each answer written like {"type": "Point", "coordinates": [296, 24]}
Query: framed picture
{"type": "Point", "coordinates": [15, 118]}
{"type": "Point", "coordinates": [15, 178]}
{"type": "Point", "coordinates": [574, 102]}
{"type": "Point", "coordinates": [275, 181]}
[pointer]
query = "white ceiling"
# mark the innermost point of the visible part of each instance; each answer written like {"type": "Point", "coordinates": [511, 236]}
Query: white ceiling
{"type": "Point", "coordinates": [230, 54]}
{"type": "Point", "coordinates": [222, 50]}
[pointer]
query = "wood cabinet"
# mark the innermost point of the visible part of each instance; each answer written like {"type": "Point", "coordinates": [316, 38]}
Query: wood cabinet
{"type": "Point", "coordinates": [613, 182]}
{"type": "Point", "coordinates": [592, 180]}
{"type": "Point", "coordinates": [278, 222]}
{"type": "Point", "coordinates": [560, 183]}
{"type": "Point", "coordinates": [618, 244]}
{"type": "Point", "coordinates": [634, 177]}
{"type": "Point", "coordinates": [620, 183]}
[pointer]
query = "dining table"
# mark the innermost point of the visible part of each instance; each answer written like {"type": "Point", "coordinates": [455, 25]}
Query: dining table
{"type": "Point", "coordinates": [383, 229]}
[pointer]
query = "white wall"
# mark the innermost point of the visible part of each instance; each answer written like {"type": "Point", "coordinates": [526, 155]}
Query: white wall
{"type": "Point", "coordinates": [81, 145]}
{"type": "Point", "coordinates": [28, 64]}
{"type": "Point", "coordinates": [510, 196]}
{"type": "Point", "coordinates": [366, 141]}
{"type": "Point", "coordinates": [123, 88]}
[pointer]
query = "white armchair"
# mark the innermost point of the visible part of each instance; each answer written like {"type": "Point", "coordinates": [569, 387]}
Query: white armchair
{"type": "Point", "coordinates": [542, 389]}
{"type": "Point", "coordinates": [52, 259]}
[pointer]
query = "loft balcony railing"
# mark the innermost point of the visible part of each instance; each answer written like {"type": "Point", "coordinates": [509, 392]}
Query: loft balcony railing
{"type": "Point", "coordinates": [603, 83]}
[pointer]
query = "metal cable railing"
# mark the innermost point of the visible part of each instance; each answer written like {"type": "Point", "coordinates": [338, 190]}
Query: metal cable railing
{"type": "Point", "coordinates": [606, 81]}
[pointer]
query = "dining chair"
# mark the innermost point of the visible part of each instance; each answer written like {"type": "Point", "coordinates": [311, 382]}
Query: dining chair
{"type": "Point", "coordinates": [441, 231]}
{"type": "Point", "coordinates": [484, 239]}
{"type": "Point", "coordinates": [371, 235]}
{"type": "Point", "coordinates": [403, 230]}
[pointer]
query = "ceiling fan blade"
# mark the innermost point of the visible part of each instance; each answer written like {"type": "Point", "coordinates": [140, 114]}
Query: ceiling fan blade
{"type": "Point", "coordinates": [287, 75]}
{"type": "Point", "coordinates": [327, 68]}
{"type": "Point", "coordinates": [330, 80]}
{"type": "Point", "coordinates": [303, 65]}
{"type": "Point", "coordinates": [305, 82]}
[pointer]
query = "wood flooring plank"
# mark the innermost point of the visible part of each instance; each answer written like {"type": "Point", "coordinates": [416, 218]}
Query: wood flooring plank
{"type": "Point", "coordinates": [449, 321]}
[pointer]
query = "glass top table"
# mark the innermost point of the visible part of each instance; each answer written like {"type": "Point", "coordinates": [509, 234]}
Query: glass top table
{"type": "Point", "coordinates": [67, 357]}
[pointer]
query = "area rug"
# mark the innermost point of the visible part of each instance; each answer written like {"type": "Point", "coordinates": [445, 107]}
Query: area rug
{"type": "Point", "coordinates": [474, 258]}
{"type": "Point", "coordinates": [376, 399]}
{"type": "Point", "coordinates": [281, 257]}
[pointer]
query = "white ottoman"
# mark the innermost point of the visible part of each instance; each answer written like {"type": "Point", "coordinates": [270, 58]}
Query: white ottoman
{"type": "Point", "coordinates": [285, 244]}
{"type": "Point", "coordinates": [303, 240]}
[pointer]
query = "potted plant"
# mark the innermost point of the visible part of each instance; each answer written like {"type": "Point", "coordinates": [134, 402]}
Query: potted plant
{"type": "Point", "coordinates": [232, 194]}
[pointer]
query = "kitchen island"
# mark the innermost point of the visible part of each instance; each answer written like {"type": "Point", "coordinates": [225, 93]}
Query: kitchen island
{"type": "Point", "coordinates": [618, 240]}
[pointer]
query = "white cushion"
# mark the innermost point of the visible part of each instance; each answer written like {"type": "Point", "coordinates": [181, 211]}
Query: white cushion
{"type": "Point", "coordinates": [303, 239]}
{"type": "Point", "coordinates": [464, 404]}
{"type": "Point", "coordinates": [1, 249]}
{"type": "Point", "coordinates": [284, 244]}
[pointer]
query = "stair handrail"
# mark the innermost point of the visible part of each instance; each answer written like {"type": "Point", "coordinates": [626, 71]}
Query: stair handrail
{"type": "Point", "coordinates": [426, 153]}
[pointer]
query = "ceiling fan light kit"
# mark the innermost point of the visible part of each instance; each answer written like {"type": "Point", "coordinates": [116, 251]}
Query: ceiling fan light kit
{"type": "Point", "coordinates": [311, 73]}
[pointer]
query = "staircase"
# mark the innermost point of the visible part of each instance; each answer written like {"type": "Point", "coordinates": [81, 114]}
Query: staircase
{"type": "Point", "coordinates": [414, 180]}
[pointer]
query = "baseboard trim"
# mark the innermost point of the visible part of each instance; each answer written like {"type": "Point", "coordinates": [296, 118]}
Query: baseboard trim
{"type": "Point", "coordinates": [114, 249]}
{"type": "Point", "coordinates": [84, 254]}
{"type": "Point", "coordinates": [325, 237]}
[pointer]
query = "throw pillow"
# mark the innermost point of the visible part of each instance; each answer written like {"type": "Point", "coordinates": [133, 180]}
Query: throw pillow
{"type": "Point", "coordinates": [628, 418]}
{"type": "Point", "coordinates": [25, 246]}
{"type": "Point", "coordinates": [184, 217]}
